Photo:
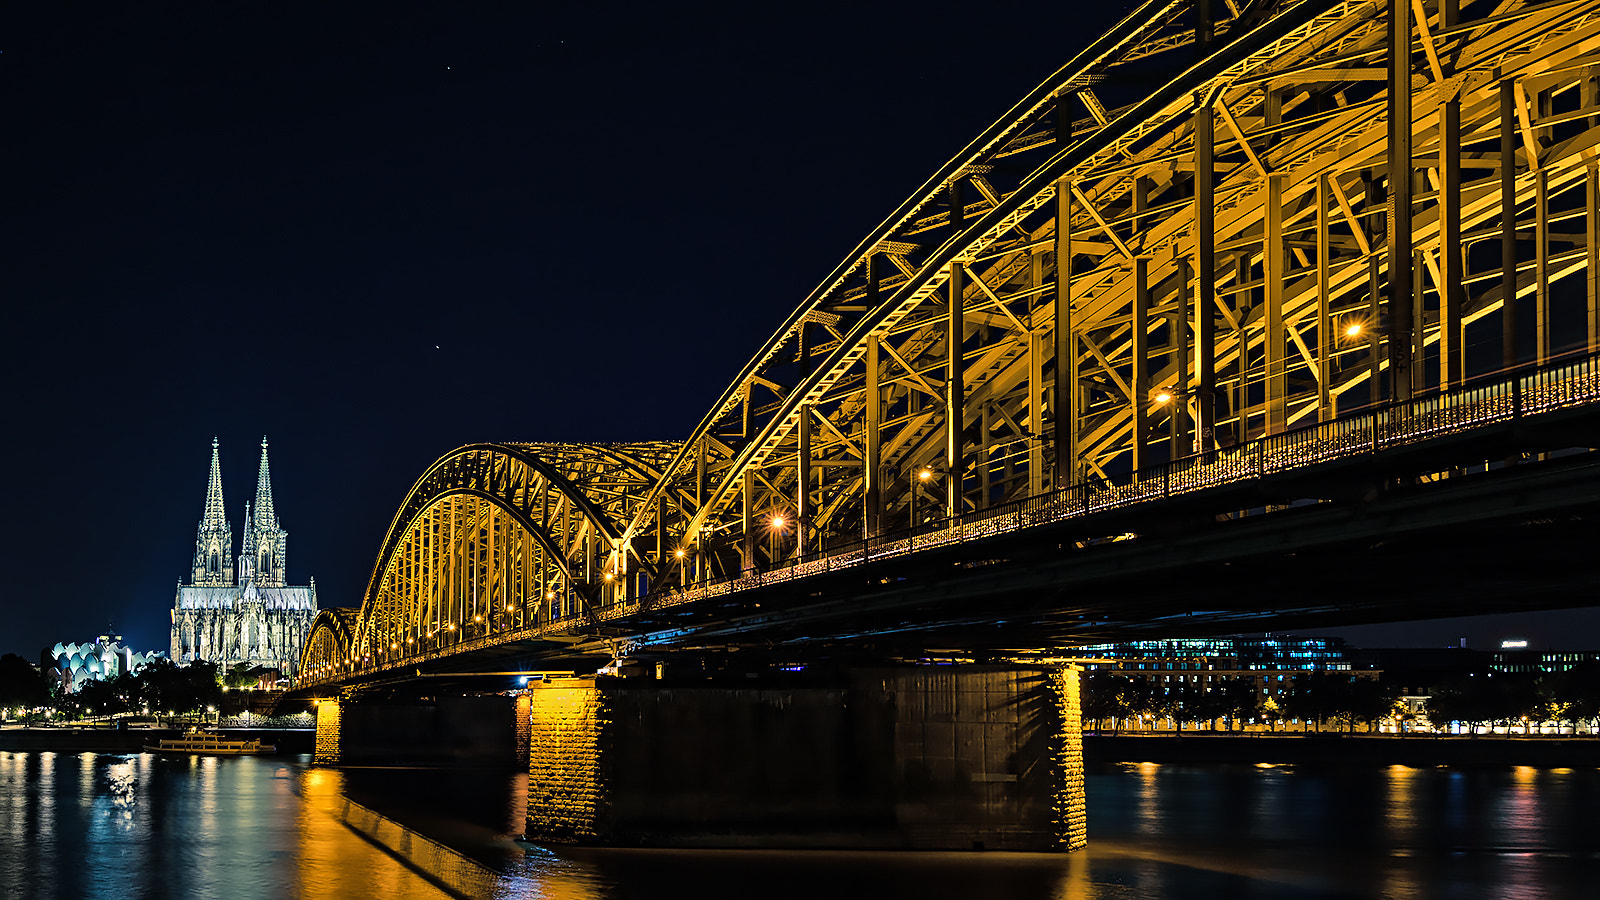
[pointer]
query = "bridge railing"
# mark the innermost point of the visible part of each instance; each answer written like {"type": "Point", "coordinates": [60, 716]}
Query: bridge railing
{"type": "Point", "coordinates": [1558, 385]}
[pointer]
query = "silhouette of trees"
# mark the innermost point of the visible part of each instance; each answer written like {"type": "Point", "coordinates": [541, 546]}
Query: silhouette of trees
{"type": "Point", "coordinates": [1339, 697]}
{"type": "Point", "coordinates": [1108, 696]}
{"type": "Point", "coordinates": [1511, 699]}
{"type": "Point", "coordinates": [22, 686]}
{"type": "Point", "coordinates": [172, 688]}
{"type": "Point", "coordinates": [1579, 688]}
{"type": "Point", "coordinates": [1343, 700]}
{"type": "Point", "coordinates": [1234, 700]}
{"type": "Point", "coordinates": [161, 686]}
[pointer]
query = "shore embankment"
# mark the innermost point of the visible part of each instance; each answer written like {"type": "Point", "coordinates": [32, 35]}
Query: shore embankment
{"type": "Point", "coordinates": [1404, 750]}
{"type": "Point", "coordinates": [133, 740]}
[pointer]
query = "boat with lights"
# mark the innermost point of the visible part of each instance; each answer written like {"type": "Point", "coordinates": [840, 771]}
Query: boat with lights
{"type": "Point", "coordinates": [210, 743]}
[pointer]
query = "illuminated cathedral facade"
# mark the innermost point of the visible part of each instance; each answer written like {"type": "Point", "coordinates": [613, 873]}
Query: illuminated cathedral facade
{"type": "Point", "coordinates": [242, 609]}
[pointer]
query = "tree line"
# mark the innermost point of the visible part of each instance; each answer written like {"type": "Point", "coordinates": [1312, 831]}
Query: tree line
{"type": "Point", "coordinates": [161, 687]}
{"type": "Point", "coordinates": [1341, 701]}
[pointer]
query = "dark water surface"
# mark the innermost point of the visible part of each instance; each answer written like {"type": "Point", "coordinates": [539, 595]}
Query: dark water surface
{"type": "Point", "coordinates": [97, 825]}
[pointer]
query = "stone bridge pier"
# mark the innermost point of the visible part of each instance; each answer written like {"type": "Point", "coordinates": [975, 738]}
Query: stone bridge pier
{"type": "Point", "coordinates": [447, 730]}
{"type": "Point", "coordinates": [927, 757]}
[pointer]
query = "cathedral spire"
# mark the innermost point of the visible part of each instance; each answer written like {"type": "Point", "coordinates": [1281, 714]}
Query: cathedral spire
{"type": "Point", "coordinates": [265, 544]}
{"type": "Point", "coordinates": [214, 517]}
{"type": "Point", "coordinates": [213, 542]}
{"type": "Point", "coordinates": [264, 512]}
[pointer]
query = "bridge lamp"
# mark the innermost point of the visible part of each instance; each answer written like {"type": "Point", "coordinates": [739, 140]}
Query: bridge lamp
{"type": "Point", "coordinates": [679, 553]}
{"type": "Point", "coordinates": [477, 618]}
{"type": "Point", "coordinates": [923, 476]}
{"type": "Point", "coordinates": [1353, 328]}
{"type": "Point", "coordinates": [1163, 396]}
{"type": "Point", "coordinates": [777, 522]}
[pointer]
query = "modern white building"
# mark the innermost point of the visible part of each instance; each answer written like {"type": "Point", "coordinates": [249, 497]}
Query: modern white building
{"type": "Point", "coordinates": [105, 658]}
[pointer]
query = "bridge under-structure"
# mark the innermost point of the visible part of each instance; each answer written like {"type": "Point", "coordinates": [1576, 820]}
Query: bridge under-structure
{"type": "Point", "coordinates": [1254, 314]}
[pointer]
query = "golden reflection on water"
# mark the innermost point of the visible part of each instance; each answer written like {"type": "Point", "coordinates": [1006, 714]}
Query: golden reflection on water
{"type": "Point", "coordinates": [1149, 796]}
{"type": "Point", "coordinates": [1401, 813]}
{"type": "Point", "coordinates": [333, 861]}
{"type": "Point", "coordinates": [1400, 878]}
{"type": "Point", "coordinates": [1522, 821]}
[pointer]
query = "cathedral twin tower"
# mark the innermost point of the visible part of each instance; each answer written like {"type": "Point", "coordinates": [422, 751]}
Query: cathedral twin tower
{"type": "Point", "coordinates": [242, 610]}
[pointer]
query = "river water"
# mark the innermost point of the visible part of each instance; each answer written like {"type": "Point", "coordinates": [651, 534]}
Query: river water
{"type": "Point", "coordinates": [124, 826]}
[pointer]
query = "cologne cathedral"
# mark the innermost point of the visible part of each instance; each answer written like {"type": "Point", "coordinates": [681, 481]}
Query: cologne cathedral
{"type": "Point", "coordinates": [242, 610]}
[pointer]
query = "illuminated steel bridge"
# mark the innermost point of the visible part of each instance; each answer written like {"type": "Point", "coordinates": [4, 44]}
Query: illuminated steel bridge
{"type": "Point", "coordinates": [1284, 258]}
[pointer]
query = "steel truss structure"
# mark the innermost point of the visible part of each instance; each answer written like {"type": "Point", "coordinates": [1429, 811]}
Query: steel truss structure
{"type": "Point", "coordinates": [1321, 208]}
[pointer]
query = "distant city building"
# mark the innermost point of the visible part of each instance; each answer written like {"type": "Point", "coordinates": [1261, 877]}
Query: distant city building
{"type": "Point", "coordinates": [1269, 652]}
{"type": "Point", "coordinates": [242, 611]}
{"type": "Point", "coordinates": [1272, 665]}
{"type": "Point", "coordinates": [74, 664]}
{"type": "Point", "coordinates": [1539, 662]}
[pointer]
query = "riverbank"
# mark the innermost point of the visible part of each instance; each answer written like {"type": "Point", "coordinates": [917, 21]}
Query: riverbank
{"type": "Point", "coordinates": [1404, 750]}
{"type": "Point", "coordinates": [133, 740]}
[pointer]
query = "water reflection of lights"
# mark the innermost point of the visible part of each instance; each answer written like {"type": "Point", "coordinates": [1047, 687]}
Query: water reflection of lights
{"type": "Point", "coordinates": [1401, 812]}
{"type": "Point", "coordinates": [1522, 820]}
{"type": "Point", "coordinates": [1149, 798]}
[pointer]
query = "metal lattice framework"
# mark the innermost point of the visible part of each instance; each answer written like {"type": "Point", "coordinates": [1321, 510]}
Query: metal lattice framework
{"type": "Point", "coordinates": [1256, 244]}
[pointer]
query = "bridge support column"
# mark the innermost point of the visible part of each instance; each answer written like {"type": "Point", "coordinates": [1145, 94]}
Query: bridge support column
{"type": "Point", "coordinates": [326, 750]}
{"type": "Point", "coordinates": [976, 757]}
{"type": "Point", "coordinates": [446, 731]}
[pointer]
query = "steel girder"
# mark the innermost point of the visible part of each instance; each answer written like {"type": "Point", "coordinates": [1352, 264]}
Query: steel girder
{"type": "Point", "coordinates": [499, 537]}
{"type": "Point", "coordinates": [1252, 245]}
{"type": "Point", "coordinates": [329, 648]}
{"type": "Point", "coordinates": [1188, 324]}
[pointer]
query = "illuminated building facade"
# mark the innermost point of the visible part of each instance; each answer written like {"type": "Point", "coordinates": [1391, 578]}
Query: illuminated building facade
{"type": "Point", "coordinates": [1540, 662]}
{"type": "Point", "coordinates": [1272, 665]}
{"type": "Point", "coordinates": [74, 664]}
{"type": "Point", "coordinates": [242, 610]}
{"type": "Point", "coordinates": [1269, 652]}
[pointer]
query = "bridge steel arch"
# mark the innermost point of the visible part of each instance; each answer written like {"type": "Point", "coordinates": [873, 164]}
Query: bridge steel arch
{"type": "Point", "coordinates": [496, 538]}
{"type": "Point", "coordinates": [1252, 248]}
{"type": "Point", "coordinates": [330, 645]}
{"type": "Point", "coordinates": [1198, 233]}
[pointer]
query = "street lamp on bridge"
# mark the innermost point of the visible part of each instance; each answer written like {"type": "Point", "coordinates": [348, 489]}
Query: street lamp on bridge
{"type": "Point", "coordinates": [923, 477]}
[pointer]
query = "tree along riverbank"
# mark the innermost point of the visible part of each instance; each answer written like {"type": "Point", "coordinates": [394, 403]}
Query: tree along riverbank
{"type": "Point", "coordinates": [1405, 750]}
{"type": "Point", "coordinates": [109, 740]}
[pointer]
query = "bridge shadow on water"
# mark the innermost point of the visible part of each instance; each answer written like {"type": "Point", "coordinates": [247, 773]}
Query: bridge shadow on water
{"type": "Point", "coordinates": [457, 829]}
{"type": "Point", "coordinates": [1172, 831]}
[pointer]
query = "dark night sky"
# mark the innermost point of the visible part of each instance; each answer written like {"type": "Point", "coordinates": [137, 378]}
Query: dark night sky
{"type": "Point", "coordinates": [375, 232]}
